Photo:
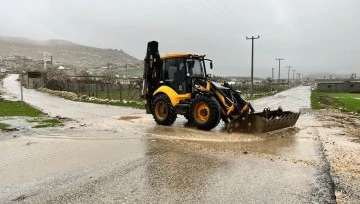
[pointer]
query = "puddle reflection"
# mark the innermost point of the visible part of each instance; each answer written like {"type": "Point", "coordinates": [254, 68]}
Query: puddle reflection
{"type": "Point", "coordinates": [175, 170]}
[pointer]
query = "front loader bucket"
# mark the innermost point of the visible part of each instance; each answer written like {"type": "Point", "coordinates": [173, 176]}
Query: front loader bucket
{"type": "Point", "coordinates": [272, 120]}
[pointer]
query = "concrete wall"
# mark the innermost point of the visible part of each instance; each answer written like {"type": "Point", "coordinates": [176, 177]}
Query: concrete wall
{"type": "Point", "coordinates": [349, 87]}
{"type": "Point", "coordinates": [35, 83]}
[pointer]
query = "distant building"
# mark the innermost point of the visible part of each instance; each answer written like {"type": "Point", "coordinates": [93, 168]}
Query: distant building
{"type": "Point", "coordinates": [337, 86]}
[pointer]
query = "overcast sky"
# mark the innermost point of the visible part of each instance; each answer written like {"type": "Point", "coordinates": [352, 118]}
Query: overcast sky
{"type": "Point", "coordinates": [311, 35]}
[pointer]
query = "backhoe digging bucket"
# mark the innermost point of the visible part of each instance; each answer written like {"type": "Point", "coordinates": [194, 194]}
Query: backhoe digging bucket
{"type": "Point", "coordinates": [272, 120]}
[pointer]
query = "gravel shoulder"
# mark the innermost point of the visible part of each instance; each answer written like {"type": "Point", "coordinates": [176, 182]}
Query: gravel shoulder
{"type": "Point", "coordinates": [340, 137]}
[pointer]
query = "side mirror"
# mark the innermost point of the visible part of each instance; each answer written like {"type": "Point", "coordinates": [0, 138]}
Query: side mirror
{"type": "Point", "coordinates": [211, 65]}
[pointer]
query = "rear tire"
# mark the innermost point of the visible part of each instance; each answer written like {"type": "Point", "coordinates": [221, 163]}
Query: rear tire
{"type": "Point", "coordinates": [205, 112]}
{"type": "Point", "coordinates": [163, 111]}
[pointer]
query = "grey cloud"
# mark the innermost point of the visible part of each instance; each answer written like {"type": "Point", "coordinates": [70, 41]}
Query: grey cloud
{"type": "Point", "coordinates": [312, 36]}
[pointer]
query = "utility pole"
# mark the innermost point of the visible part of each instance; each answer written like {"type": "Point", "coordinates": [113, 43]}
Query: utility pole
{"type": "Point", "coordinates": [21, 86]}
{"type": "Point", "coordinates": [279, 68]}
{"type": "Point", "coordinates": [273, 74]}
{"type": "Point", "coordinates": [44, 62]}
{"type": "Point", "coordinates": [252, 62]}
{"type": "Point", "coordinates": [289, 67]}
{"type": "Point", "coordinates": [293, 76]}
{"type": "Point", "coordinates": [299, 77]}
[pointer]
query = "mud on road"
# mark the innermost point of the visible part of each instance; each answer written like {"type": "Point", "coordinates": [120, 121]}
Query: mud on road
{"type": "Point", "coordinates": [112, 154]}
{"type": "Point", "coordinates": [340, 137]}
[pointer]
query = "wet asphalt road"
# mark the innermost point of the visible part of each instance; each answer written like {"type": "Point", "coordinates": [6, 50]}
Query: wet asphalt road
{"type": "Point", "coordinates": [118, 155]}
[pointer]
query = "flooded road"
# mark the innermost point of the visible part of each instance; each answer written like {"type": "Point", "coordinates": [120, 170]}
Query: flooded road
{"type": "Point", "coordinates": [110, 154]}
{"type": "Point", "coordinates": [57, 106]}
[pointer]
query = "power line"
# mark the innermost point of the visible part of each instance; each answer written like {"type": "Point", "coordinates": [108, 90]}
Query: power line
{"type": "Point", "coordinates": [235, 17]}
{"type": "Point", "coordinates": [208, 8]}
{"type": "Point", "coordinates": [223, 15]}
{"type": "Point", "coordinates": [216, 8]}
{"type": "Point", "coordinates": [212, 5]}
{"type": "Point", "coordinates": [216, 15]}
{"type": "Point", "coordinates": [202, 5]}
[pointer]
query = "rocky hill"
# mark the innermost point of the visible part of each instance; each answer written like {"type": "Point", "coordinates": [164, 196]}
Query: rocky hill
{"type": "Point", "coordinates": [64, 52]}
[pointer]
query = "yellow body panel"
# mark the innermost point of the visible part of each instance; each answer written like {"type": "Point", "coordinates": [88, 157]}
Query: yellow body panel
{"type": "Point", "coordinates": [229, 109]}
{"type": "Point", "coordinates": [174, 97]}
{"type": "Point", "coordinates": [245, 108]}
{"type": "Point", "coordinates": [178, 55]}
{"type": "Point", "coordinates": [208, 85]}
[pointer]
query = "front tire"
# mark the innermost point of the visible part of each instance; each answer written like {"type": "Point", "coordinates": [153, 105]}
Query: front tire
{"type": "Point", "coordinates": [205, 112]}
{"type": "Point", "coordinates": [163, 111]}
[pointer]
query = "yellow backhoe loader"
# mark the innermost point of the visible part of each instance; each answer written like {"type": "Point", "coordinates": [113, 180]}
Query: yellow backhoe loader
{"type": "Point", "coordinates": [178, 84]}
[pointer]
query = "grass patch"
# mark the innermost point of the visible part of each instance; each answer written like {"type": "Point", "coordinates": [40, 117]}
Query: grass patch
{"type": "Point", "coordinates": [2, 76]}
{"type": "Point", "coordinates": [45, 125]}
{"type": "Point", "coordinates": [348, 102]}
{"type": "Point", "coordinates": [315, 100]}
{"type": "Point", "coordinates": [3, 126]}
{"type": "Point", "coordinates": [18, 108]}
{"type": "Point", "coordinates": [52, 122]}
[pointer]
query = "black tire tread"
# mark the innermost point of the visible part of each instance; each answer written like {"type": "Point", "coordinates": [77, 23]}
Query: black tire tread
{"type": "Point", "coordinates": [170, 119]}
{"type": "Point", "coordinates": [215, 113]}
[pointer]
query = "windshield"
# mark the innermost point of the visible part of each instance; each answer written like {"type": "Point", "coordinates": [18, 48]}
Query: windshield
{"type": "Point", "coordinates": [195, 68]}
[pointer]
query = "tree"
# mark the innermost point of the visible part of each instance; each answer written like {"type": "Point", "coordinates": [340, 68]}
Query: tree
{"type": "Point", "coordinates": [55, 79]}
{"type": "Point", "coordinates": [269, 80]}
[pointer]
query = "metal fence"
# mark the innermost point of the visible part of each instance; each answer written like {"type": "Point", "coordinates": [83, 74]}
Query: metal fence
{"type": "Point", "coordinates": [259, 89]}
{"type": "Point", "coordinates": [99, 87]}
{"type": "Point", "coordinates": [128, 89]}
{"type": "Point", "coordinates": [120, 90]}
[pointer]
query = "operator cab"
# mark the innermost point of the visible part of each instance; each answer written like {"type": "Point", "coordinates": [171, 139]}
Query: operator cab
{"type": "Point", "coordinates": [180, 70]}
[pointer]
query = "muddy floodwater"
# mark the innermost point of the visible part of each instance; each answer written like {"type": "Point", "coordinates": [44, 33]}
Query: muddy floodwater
{"type": "Point", "coordinates": [111, 154]}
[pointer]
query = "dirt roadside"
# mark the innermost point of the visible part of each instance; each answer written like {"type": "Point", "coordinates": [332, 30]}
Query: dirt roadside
{"type": "Point", "coordinates": [340, 137]}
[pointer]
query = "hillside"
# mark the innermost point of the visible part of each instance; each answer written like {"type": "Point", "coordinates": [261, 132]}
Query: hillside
{"type": "Point", "coordinates": [64, 52]}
